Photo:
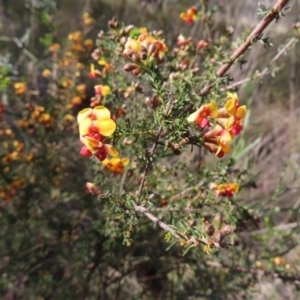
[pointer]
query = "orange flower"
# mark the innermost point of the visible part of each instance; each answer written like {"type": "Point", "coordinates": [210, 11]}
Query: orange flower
{"type": "Point", "coordinates": [199, 117]}
{"type": "Point", "coordinates": [89, 44]}
{"type": "Point", "coordinates": [46, 73]}
{"type": "Point", "coordinates": [190, 15]}
{"type": "Point", "coordinates": [75, 36]}
{"type": "Point", "coordinates": [20, 88]}
{"type": "Point", "coordinates": [116, 165]}
{"type": "Point", "coordinates": [225, 189]}
{"type": "Point", "coordinates": [54, 47]}
{"type": "Point", "coordinates": [76, 100]}
{"type": "Point", "coordinates": [87, 19]}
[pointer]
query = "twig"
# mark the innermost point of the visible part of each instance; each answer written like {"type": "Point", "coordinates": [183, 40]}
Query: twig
{"type": "Point", "coordinates": [166, 227]}
{"type": "Point", "coordinates": [151, 152]}
{"type": "Point", "coordinates": [253, 271]}
{"type": "Point", "coordinates": [266, 70]}
{"type": "Point", "coordinates": [279, 227]}
{"type": "Point", "coordinates": [20, 45]}
{"type": "Point", "coordinates": [273, 14]}
{"type": "Point", "coordinates": [154, 219]}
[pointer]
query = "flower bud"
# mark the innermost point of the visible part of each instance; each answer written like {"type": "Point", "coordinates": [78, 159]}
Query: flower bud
{"type": "Point", "coordinates": [130, 67]}
{"type": "Point", "coordinates": [143, 55]}
{"type": "Point", "coordinates": [152, 50]}
{"type": "Point", "coordinates": [129, 28]}
{"type": "Point", "coordinates": [153, 102]}
{"type": "Point", "coordinates": [209, 229]}
{"type": "Point", "coordinates": [135, 59]}
{"type": "Point", "coordinates": [226, 229]}
{"type": "Point", "coordinates": [93, 188]}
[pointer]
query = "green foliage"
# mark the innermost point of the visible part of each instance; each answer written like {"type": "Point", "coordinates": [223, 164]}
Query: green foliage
{"type": "Point", "coordinates": [162, 226]}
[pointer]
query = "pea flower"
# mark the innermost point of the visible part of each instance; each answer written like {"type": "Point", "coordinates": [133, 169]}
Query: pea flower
{"type": "Point", "coordinates": [116, 165]}
{"type": "Point", "coordinates": [225, 189]}
{"type": "Point", "coordinates": [20, 88]}
{"type": "Point", "coordinates": [96, 120]}
{"type": "Point", "coordinates": [199, 117]}
{"type": "Point", "coordinates": [92, 144]}
{"type": "Point", "coordinates": [95, 124]}
{"type": "Point", "coordinates": [190, 15]}
{"type": "Point", "coordinates": [87, 19]}
{"type": "Point", "coordinates": [103, 90]}
{"type": "Point", "coordinates": [217, 141]}
{"type": "Point", "coordinates": [232, 115]}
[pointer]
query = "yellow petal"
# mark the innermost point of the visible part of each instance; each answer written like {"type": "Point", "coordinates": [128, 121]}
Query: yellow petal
{"type": "Point", "coordinates": [90, 143]}
{"type": "Point", "coordinates": [241, 112]}
{"type": "Point", "coordinates": [83, 114]}
{"type": "Point", "coordinates": [193, 117]}
{"type": "Point", "coordinates": [101, 112]}
{"type": "Point", "coordinates": [105, 127]}
{"type": "Point", "coordinates": [84, 126]}
{"type": "Point", "coordinates": [105, 162]}
{"type": "Point", "coordinates": [232, 96]}
{"type": "Point", "coordinates": [213, 107]}
{"type": "Point", "coordinates": [231, 106]}
{"type": "Point", "coordinates": [105, 90]}
{"type": "Point", "coordinates": [235, 187]}
{"type": "Point", "coordinates": [125, 161]}
{"type": "Point", "coordinates": [226, 148]}
{"type": "Point", "coordinates": [111, 150]}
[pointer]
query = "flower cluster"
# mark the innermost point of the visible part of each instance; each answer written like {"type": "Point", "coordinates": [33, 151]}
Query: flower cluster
{"type": "Point", "coordinates": [190, 15]}
{"type": "Point", "coordinates": [94, 125]}
{"type": "Point", "coordinates": [227, 120]}
{"type": "Point", "coordinates": [144, 48]}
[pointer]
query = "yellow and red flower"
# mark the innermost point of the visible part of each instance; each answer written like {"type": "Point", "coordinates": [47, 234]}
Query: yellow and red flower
{"type": "Point", "coordinates": [190, 15]}
{"type": "Point", "coordinates": [232, 115]}
{"type": "Point", "coordinates": [116, 165]}
{"type": "Point", "coordinates": [94, 125]}
{"type": "Point", "coordinates": [225, 189]}
{"type": "Point", "coordinates": [96, 120]}
{"type": "Point", "coordinates": [102, 90]}
{"type": "Point", "coordinates": [200, 117]}
{"type": "Point", "coordinates": [217, 141]}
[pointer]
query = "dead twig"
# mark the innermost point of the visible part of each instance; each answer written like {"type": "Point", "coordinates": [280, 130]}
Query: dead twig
{"type": "Point", "coordinates": [273, 14]}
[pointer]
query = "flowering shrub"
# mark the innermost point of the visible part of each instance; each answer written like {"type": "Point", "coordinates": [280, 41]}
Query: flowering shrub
{"type": "Point", "coordinates": [159, 126]}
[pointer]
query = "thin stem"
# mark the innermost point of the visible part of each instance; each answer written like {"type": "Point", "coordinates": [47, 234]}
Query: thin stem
{"type": "Point", "coordinates": [266, 71]}
{"type": "Point", "coordinates": [157, 221]}
{"type": "Point", "coordinates": [273, 14]}
{"type": "Point", "coordinates": [151, 152]}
